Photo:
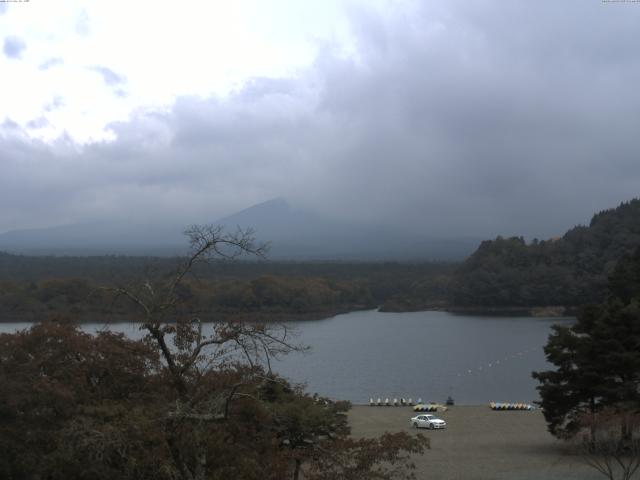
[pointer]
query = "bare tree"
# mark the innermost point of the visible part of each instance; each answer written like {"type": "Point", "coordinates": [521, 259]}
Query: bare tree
{"type": "Point", "coordinates": [190, 354]}
{"type": "Point", "coordinates": [612, 444]}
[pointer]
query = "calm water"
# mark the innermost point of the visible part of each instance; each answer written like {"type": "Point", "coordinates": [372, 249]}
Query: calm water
{"type": "Point", "coordinates": [427, 355]}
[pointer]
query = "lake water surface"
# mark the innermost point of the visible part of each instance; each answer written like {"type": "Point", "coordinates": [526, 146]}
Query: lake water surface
{"type": "Point", "coordinates": [428, 355]}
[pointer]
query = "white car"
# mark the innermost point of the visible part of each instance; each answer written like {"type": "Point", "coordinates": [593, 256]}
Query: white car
{"type": "Point", "coordinates": [427, 421]}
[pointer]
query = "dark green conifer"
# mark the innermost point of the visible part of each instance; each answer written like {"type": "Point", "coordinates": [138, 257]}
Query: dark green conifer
{"type": "Point", "coordinates": [598, 358]}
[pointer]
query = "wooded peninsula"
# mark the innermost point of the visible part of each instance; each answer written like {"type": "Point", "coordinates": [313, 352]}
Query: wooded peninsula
{"type": "Point", "coordinates": [505, 275]}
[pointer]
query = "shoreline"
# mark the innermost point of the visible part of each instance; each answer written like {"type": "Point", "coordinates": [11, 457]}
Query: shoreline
{"type": "Point", "coordinates": [283, 317]}
{"type": "Point", "coordinates": [272, 317]}
{"type": "Point", "coordinates": [479, 444]}
{"type": "Point", "coordinates": [264, 317]}
{"type": "Point", "coordinates": [502, 311]}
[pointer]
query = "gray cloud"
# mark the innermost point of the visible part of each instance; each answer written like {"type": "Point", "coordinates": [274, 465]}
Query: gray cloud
{"type": "Point", "coordinates": [13, 47]}
{"type": "Point", "coordinates": [37, 123]}
{"type": "Point", "coordinates": [110, 78]}
{"type": "Point", "coordinates": [456, 118]}
{"type": "Point", "coordinates": [257, 88]}
{"type": "Point", "coordinates": [9, 125]}
{"type": "Point", "coordinates": [50, 63]}
{"type": "Point", "coordinates": [55, 103]}
{"type": "Point", "coordinates": [83, 25]}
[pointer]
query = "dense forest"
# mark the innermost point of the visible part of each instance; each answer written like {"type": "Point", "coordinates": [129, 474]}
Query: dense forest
{"type": "Point", "coordinates": [567, 271]}
{"type": "Point", "coordinates": [33, 288]}
{"type": "Point", "coordinates": [509, 275]}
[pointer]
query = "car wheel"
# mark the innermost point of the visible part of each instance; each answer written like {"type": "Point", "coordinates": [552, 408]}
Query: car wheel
{"type": "Point", "coordinates": [431, 426]}
{"type": "Point", "coordinates": [415, 424]}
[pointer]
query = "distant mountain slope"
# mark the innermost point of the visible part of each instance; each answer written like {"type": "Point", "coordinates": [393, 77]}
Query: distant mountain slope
{"type": "Point", "coordinates": [96, 238]}
{"type": "Point", "coordinates": [568, 271]}
{"type": "Point", "coordinates": [302, 234]}
{"type": "Point", "coordinates": [294, 234]}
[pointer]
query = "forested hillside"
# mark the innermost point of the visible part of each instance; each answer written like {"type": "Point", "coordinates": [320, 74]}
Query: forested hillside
{"type": "Point", "coordinates": [506, 272]}
{"type": "Point", "coordinates": [33, 288]}
{"type": "Point", "coordinates": [568, 271]}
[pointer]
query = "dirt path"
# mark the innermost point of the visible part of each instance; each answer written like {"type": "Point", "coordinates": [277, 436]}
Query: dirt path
{"type": "Point", "coordinates": [480, 444]}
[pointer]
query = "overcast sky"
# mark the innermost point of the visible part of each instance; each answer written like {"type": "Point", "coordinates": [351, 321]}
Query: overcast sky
{"type": "Point", "coordinates": [454, 117]}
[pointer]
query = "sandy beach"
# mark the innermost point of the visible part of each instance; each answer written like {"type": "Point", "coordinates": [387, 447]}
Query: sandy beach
{"type": "Point", "coordinates": [480, 444]}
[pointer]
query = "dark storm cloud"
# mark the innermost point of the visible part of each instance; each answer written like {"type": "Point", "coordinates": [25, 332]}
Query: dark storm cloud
{"type": "Point", "coordinates": [488, 119]}
{"type": "Point", "coordinates": [13, 47]}
{"type": "Point", "coordinates": [111, 78]}
{"type": "Point", "coordinates": [455, 118]}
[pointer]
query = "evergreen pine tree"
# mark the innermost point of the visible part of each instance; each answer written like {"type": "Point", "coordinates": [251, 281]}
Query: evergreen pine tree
{"type": "Point", "coordinates": [598, 358]}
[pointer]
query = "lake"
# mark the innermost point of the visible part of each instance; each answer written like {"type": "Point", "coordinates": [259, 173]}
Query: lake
{"type": "Point", "coordinates": [428, 355]}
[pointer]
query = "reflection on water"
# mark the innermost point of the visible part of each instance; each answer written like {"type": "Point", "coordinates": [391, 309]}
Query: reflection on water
{"type": "Point", "coordinates": [421, 354]}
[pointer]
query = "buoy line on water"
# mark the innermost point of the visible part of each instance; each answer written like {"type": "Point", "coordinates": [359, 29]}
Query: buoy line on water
{"type": "Point", "coordinates": [495, 363]}
{"type": "Point", "coordinates": [470, 371]}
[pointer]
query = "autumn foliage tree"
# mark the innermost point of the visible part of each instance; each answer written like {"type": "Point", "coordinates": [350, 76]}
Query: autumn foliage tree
{"type": "Point", "coordinates": [74, 405]}
{"type": "Point", "coordinates": [190, 401]}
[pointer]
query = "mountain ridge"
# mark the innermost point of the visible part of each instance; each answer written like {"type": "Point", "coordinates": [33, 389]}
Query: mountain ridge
{"type": "Point", "coordinates": [571, 270]}
{"type": "Point", "coordinates": [294, 234]}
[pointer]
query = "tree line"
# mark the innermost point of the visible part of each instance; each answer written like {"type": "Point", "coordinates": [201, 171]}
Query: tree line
{"type": "Point", "coordinates": [266, 296]}
{"type": "Point", "coordinates": [571, 270]}
{"type": "Point", "coordinates": [33, 287]}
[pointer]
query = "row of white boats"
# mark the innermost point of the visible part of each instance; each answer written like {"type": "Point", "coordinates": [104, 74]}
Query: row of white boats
{"type": "Point", "coordinates": [511, 406]}
{"type": "Point", "coordinates": [402, 402]}
{"type": "Point", "coordinates": [436, 407]}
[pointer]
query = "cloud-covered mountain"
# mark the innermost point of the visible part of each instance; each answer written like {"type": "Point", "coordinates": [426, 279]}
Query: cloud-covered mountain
{"type": "Point", "coordinates": [293, 233]}
{"type": "Point", "coordinates": [301, 234]}
{"type": "Point", "coordinates": [468, 118]}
